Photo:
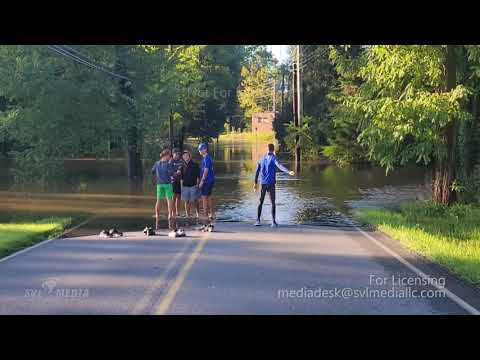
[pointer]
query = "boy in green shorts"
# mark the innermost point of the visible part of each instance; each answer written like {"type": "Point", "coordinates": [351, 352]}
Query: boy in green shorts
{"type": "Point", "coordinates": [163, 171]}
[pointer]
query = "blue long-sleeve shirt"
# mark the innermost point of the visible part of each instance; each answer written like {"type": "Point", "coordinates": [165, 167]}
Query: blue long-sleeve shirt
{"type": "Point", "coordinates": [267, 166]}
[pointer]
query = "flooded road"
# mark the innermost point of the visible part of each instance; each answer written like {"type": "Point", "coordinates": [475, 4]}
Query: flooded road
{"type": "Point", "coordinates": [320, 194]}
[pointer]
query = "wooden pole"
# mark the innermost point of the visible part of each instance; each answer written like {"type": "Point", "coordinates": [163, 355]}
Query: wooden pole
{"type": "Point", "coordinates": [298, 112]}
{"type": "Point", "coordinates": [283, 87]}
{"type": "Point", "coordinates": [170, 127]}
{"type": "Point", "coordinates": [273, 107]}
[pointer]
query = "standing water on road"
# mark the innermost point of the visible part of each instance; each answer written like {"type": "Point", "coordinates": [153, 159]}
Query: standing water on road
{"type": "Point", "coordinates": [320, 194]}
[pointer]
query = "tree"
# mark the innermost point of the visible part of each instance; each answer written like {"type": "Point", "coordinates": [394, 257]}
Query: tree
{"type": "Point", "coordinates": [256, 85]}
{"type": "Point", "coordinates": [214, 93]}
{"type": "Point", "coordinates": [318, 79]}
{"type": "Point", "coordinates": [58, 109]}
{"type": "Point", "coordinates": [127, 99]}
{"type": "Point", "coordinates": [52, 107]}
{"type": "Point", "coordinates": [408, 104]}
{"type": "Point", "coordinates": [468, 138]}
{"type": "Point", "coordinates": [255, 94]}
{"type": "Point", "coordinates": [444, 166]}
{"type": "Point", "coordinates": [343, 146]}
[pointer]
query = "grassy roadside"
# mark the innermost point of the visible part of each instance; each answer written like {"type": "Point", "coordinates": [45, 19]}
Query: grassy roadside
{"type": "Point", "coordinates": [447, 236]}
{"type": "Point", "coordinates": [248, 136]}
{"type": "Point", "coordinates": [22, 232]}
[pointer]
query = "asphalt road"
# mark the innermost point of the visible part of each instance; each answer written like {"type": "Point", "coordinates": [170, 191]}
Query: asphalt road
{"type": "Point", "coordinates": [239, 269]}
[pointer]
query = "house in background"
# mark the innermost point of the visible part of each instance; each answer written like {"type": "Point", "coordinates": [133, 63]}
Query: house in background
{"type": "Point", "coordinates": [263, 122]}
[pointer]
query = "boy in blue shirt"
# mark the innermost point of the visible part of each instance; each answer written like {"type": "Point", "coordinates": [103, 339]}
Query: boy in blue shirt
{"type": "Point", "coordinates": [268, 167]}
{"type": "Point", "coordinates": [207, 182]}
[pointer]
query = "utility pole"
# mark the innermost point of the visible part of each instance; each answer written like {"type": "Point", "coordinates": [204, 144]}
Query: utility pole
{"type": "Point", "coordinates": [171, 129]}
{"type": "Point", "coordinates": [171, 116]}
{"type": "Point", "coordinates": [274, 100]}
{"type": "Point", "coordinates": [299, 86]}
{"type": "Point", "coordinates": [294, 95]}
{"type": "Point", "coordinates": [298, 116]}
{"type": "Point", "coordinates": [283, 86]}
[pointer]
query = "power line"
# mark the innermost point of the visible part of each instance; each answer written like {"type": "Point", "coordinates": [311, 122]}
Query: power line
{"type": "Point", "coordinates": [66, 54]}
{"type": "Point", "coordinates": [69, 55]}
{"type": "Point", "coordinates": [314, 54]}
{"type": "Point", "coordinates": [92, 64]}
{"type": "Point", "coordinates": [88, 62]}
{"type": "Point", "coordinates": [73, 50]}
{"type": "Point", "coordinates": [81, 55]}
{"type": "Point", "coordinates": [87, 59]}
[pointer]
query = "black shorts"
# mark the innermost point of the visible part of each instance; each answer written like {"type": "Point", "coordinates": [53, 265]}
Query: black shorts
{"type": "Point", "coordinates": [177, 188]}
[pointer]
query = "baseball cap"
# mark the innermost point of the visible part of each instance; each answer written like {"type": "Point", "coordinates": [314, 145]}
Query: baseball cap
{"type": "Point", "coordinates": [202, 146]}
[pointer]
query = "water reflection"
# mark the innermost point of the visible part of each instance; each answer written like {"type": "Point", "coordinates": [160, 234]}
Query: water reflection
{"type": "Point", "coordinates": [321, 194]}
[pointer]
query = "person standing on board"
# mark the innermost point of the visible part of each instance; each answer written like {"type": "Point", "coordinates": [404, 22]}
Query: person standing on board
{"type": "Point", "coordinates": [207, 182]}
{"type": "Point", "coordinates": [267, 166]}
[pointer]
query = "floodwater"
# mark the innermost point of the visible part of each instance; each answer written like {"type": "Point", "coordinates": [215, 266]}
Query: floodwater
{"type": "Point", "coordinates": [319, 194]}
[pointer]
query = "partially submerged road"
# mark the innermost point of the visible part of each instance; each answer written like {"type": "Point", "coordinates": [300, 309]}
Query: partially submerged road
{"type": "Point", "coordinates": [239, 269]}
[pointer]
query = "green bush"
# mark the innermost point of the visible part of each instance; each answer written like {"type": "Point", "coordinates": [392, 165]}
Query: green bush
{"type": "Point", "coordinates": [339, 155]}
{"type": "Point", "coordinates": [308, 134]}
{"type": "Point", "coordinates": [471, 188]}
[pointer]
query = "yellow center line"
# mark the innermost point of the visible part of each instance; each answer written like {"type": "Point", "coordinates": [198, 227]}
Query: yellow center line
{"type": "Point", "coordinates": [163, 307]}
{"type": "Point", "coordinates": [161, 280]}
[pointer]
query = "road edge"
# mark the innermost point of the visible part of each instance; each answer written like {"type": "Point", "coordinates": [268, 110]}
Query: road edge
{"type": "Point", "coordinates": [458, 291]}
{"type": "Point", "coordinates": [46, 241]}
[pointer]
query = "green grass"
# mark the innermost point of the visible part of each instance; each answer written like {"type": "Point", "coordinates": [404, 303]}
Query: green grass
{"type": "Point", "coordinates": [17, 235]}
{"type": "Point", "coordinates": [248, 136]}
{"type": "Point", "coordinates": [447, 236]}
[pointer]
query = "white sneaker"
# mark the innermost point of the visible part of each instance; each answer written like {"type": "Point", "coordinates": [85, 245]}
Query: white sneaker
{"type": "Point", "coordinates": [181, 233]}
{"type": "Point", "coordinates": [258, 223]}
{"type": "Point", "coordinates": [274, 224]}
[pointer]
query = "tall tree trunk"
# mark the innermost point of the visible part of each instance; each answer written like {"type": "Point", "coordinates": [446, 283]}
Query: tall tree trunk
{"type": "Point", "coordinates": [444, 168]}
{"type": "Point", "coordinates": [134, 162]}
{"type": "Point", "coordinates": [181, 138]}
{"type": "Point", "coordinates": [475, 136]}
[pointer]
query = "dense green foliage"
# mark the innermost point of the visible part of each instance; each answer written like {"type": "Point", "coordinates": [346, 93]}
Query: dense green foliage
{"type": "Point", "coordinates": [52, 108]}
{"type": "Point", "coordinates": [387, 104]}
{"type": "Point", "coordinates": [402, 103]}
{"type": "Point", "coordinates": [318, 77]}
{"type": "Point", "coordinates": [256, 87]}
{"type": "Point", "coordinates": [325, 127]}
{"type": "Point", "coordinates": [393, 105]}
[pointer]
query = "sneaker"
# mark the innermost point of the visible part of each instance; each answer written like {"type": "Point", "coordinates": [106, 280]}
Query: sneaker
{"type": "Point", "coordinates": [105, 233]}
{"type": "Point", "coordinates": [258, 223]}
{"type": "Point", "coordinates": [148, 231]}
{"type": "Point", "coordinates": [115, 233]}
{"type": "Point", "coordinates": [274, 224]}
{"type": "Point", "coordinates": [181, 233]}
